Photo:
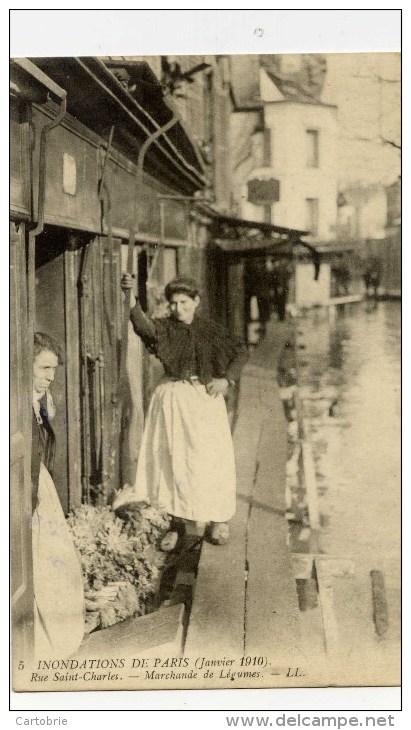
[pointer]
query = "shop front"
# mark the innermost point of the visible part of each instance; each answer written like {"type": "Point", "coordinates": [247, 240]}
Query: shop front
{"type": "Point", "coordinates": [83, 209]}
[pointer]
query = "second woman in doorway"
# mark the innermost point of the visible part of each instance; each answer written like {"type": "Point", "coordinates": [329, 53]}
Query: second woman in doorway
{"type": "Point", "coordinates": [57, 575]}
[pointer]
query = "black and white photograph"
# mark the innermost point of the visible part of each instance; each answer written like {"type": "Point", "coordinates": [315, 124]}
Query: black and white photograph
{"type": "Point", "coordinates": [205, 369]}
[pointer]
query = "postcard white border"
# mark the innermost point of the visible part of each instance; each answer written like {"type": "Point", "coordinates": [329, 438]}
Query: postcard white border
{"type": "Point", "coordinates": [102, 31]}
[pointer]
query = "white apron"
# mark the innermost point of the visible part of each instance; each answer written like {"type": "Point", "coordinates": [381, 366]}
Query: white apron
{"type": "Point", "coordinates": [57, 577]}
{"type": "Point", "coordinates": [186, 462]}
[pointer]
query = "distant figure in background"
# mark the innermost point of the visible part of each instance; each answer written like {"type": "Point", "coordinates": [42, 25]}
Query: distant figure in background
{"type": "Point", "coordinates": [256, 284]}
{"type": "Point", "coordinates": [342, 278]}
{"type": "Point", "coordinates": [57, 574]}
{"type": "Point", "coordinates": [279, 273]}
{"type": "Point", "coordinates": [372, 276]}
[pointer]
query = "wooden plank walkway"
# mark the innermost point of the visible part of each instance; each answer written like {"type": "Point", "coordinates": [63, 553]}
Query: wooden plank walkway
{"type": "Point", "coordinates": [245, 599]}
{"type": "Point", "coordinates": [135, 635]}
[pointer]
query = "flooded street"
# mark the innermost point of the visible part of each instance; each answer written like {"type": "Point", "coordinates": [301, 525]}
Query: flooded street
{"type": "Point", "coordinates": [349, 372]}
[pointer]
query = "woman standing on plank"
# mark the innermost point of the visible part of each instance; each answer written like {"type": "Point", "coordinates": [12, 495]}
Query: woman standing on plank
{"type": "Point", "coordinates": [186, 461]}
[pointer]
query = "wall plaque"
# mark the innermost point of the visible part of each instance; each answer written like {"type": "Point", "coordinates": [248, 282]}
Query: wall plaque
{"type": "Point", "coordinates": [263, 192]}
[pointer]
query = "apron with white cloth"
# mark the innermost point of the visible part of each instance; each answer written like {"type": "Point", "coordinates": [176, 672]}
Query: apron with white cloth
{"type": "Point", "coordinates": [186, 462]}
{"type": "Point", "coordinates": [57, 577]}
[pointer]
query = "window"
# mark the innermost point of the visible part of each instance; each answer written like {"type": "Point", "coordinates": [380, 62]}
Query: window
{"type": "Point", "coordinates": [312, 215]}
{"type": "Point", "coordinates": [267, 136]}
{"type": "Point", "coordinates": [312, 144]}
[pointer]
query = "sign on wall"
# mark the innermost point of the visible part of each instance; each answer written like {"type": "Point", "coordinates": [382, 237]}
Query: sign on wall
{"type": "Point", "coordinates": [263, 192]}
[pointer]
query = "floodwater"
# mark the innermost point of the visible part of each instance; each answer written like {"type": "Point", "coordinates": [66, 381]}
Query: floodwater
{"type": "Point", "coordinates": [349, 373]}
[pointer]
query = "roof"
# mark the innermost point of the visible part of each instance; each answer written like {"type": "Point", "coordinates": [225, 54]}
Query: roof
{"type": "Point", "coordinates": [26, 79]}
{"type": "Point", "coordinates": [245, 82]}
{"type": "Point", "coordinates": [304, 83]}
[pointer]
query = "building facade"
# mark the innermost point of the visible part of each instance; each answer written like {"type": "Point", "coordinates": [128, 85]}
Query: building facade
{"type": "Point", "coordinates": [285, 155]}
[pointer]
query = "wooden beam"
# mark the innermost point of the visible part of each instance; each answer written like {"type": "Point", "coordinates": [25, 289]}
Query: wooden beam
{"type": "Point", "coordinates": [326, 594]}
{"type": "Point", "coordinates": [72, 363]}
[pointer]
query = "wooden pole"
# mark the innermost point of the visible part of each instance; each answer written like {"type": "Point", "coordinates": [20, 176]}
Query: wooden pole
{"type": "Point", "coordinates": [130, 251]}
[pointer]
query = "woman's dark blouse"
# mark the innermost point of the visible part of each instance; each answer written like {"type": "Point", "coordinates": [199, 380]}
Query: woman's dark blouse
{"type": "Point", "coordinates": [203, 348]}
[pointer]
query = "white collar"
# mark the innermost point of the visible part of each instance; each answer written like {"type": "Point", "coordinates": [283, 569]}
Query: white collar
{"type": "Point", "coordinates": [50, 408]}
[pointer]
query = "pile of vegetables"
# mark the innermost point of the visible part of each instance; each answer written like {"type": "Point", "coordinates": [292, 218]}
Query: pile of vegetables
{"type": "Point", "coordinates": [120, 557]}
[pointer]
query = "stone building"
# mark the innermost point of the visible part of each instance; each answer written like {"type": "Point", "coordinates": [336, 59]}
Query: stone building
{"type": "Point", "coordinates": [284, 154]}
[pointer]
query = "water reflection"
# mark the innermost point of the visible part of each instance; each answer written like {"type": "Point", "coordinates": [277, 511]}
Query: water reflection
{"type": "Point", "coordinates": [349, 372]}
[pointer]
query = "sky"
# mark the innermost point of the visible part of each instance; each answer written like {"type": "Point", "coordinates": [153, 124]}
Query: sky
{"type": "Point", "coordinates": [367, 109]}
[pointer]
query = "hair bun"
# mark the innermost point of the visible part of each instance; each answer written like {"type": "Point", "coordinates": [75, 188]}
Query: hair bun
{"type": "Point", "coordinates": [182, 285]}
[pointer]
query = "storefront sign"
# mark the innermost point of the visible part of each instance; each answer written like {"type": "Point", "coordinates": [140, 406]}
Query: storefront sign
{"type": "Point", "coordinates": [263, 192]}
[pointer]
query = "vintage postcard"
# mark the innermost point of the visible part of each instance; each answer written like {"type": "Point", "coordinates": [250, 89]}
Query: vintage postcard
{"type": "Point", "coordinates": [205, 371]}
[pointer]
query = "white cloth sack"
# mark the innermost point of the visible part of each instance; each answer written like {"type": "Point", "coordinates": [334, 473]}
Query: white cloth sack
{"type": "Point", "coordinates": [57, 577]}
{"type": "Point", "coordinates": [186, 462]}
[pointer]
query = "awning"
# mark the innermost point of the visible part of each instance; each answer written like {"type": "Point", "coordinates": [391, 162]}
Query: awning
{"type": "Point", "coordinates": [336, 247]}
{"type": "Point", "coordinates": [28, 81]}
{"type": "Point", "coordinates": [241, 237]}
{"type": "Point", "coordinates": [97, 98]}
